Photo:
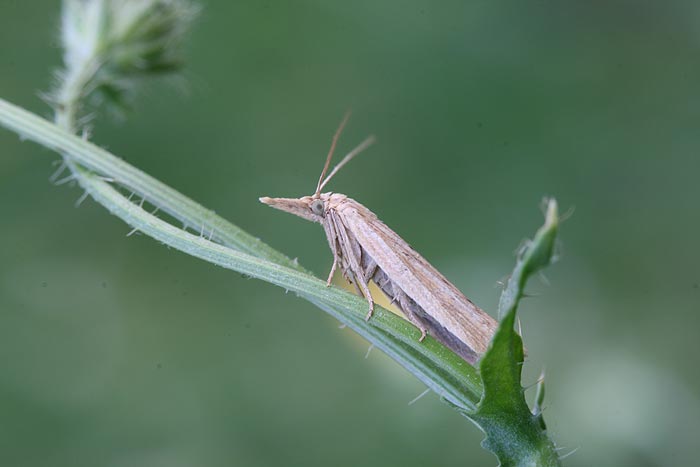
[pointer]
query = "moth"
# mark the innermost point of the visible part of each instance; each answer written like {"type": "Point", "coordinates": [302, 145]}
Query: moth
{"type": "Point", "coordinates": [365, 250]}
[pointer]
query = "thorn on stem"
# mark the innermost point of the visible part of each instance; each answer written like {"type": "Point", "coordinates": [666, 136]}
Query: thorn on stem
{"type": "Point", "coordinates": [80, 200]}
{"type": "Point", "coordinates": [418, 397]}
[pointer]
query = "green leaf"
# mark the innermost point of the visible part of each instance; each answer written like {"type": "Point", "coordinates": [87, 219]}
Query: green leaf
{"type": "Point", "coordinates": [517, 436]}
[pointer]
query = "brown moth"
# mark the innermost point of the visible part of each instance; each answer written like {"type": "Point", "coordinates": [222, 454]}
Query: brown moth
{"type": "Point", "coordinates": [367, 250]}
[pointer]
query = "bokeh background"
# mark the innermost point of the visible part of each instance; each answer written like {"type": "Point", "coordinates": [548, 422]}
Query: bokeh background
{"type": "Point", "coordinates": [116, 351]}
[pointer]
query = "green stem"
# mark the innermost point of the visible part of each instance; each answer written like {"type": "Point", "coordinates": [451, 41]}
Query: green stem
{"type": "Point", "coordinates": [440, 369]}
{"type": "Point", "coordinates": [190, 213]}
{"type": "Point", "coordinates": [70, 94]}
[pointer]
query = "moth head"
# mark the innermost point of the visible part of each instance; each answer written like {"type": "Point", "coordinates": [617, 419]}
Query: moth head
{"type": "Point", "coordinates": [311, 208]}
{"type": "Point", "coordinates": [314, 208]}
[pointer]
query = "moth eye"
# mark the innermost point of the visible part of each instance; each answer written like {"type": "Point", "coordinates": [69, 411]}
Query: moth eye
{"type": "Point", "coordinates": [317, 207]}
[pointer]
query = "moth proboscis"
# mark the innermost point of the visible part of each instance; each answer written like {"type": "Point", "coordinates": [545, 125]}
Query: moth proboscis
{"type": "Point", "coordinates": [367, 250]}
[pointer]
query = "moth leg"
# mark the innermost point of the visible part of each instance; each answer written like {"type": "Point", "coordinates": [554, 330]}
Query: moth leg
{"type": "Point", "coordinates": [421, 327]}
{"type": "Point", "coordinates": [360, 282]}
{"type": "Point", "coordinates": [362, 288]}
{"type": "Point", "coordinates": [408, 306]}
{"type": "Point", "coordinates": [370, 300]}
{"type": "Point", "coordinates": [332, 237]}
{"type": "Point", "coordinates": [370, 267]}
{"type": "Point", "coordinates": [417, 322]}
{"type": "Point", "coordinates": [352, 252]}
{"type": "Point", "coordinates": [333, 268]}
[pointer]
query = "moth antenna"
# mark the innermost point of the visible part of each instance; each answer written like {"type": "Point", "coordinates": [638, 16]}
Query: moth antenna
{"type": "Point", "coordinates": [330, 152]}
{"type": "Point", "coordinates": [361, 147]}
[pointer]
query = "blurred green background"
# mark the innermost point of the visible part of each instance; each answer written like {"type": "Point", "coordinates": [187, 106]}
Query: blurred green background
{"type": "Point", "coordinates": [116, 351]}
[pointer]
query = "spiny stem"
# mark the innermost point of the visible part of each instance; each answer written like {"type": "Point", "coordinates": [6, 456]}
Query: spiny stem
{"type": "Point", "coordinates": [436, 366]}
{"type": "Point", "coordinates": [99, 161]}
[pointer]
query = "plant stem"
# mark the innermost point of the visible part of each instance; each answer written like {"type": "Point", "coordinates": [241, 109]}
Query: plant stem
{"type": "Point", "coordinates": [96, 159]}
{"type": "Point", "coordinates": [436, 366]}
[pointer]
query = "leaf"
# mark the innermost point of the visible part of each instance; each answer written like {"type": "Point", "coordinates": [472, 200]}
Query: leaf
{"type": "Point", "coordinates": [517, 436]}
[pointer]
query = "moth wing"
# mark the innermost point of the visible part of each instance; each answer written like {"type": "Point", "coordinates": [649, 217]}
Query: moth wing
{"type": "Point", "coordinates": [419, 279]}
